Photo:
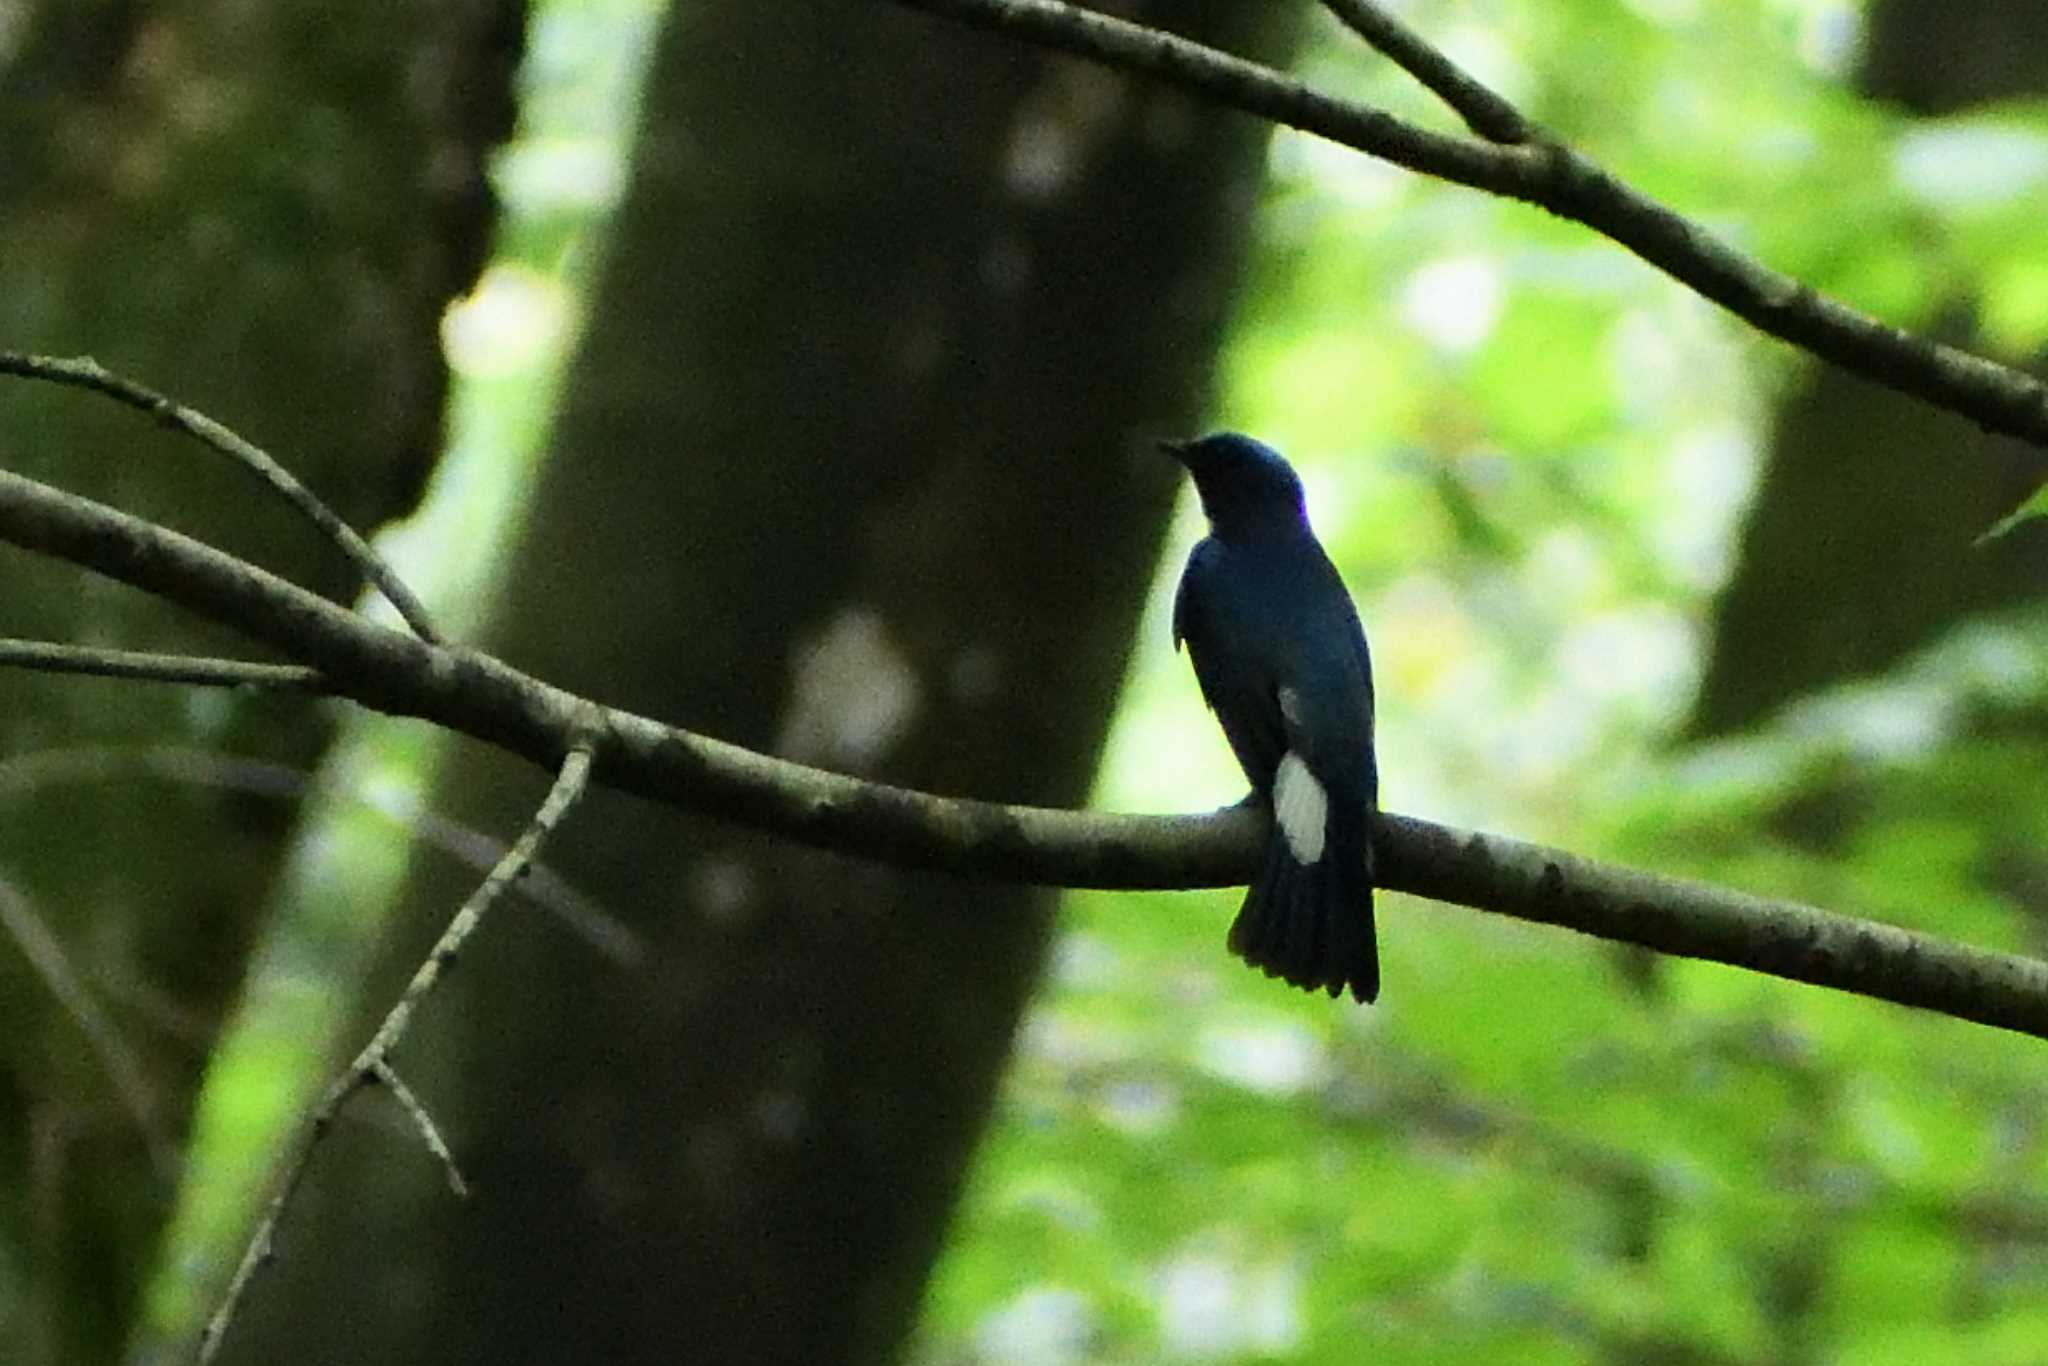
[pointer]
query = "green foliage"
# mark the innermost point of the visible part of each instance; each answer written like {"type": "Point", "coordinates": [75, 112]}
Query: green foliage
{"type": "Point", "coordinates": [2035, 506]}
{"type": "Point", "coordinates": [1530, 455]}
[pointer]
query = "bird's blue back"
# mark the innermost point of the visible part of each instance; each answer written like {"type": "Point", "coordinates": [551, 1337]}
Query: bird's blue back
{"type": "Point", "coordinates": [1264, 613]}
{"type": "Point", "coordinates": [1281, 660]}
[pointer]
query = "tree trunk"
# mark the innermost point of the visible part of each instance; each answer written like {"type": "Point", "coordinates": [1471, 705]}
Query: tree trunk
{"type": "Point", "coordinates": [1860, 546]}
{"type": "Point", "coordinates": [855, 465]}
{"type": "Point", "coordinates": [260, 210]}
{"type": "Point", "coordinates": [1858, 551]}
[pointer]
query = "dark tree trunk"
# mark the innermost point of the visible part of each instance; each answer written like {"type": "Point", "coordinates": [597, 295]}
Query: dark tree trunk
{"type": "Point", "coordinates": [1858, 551]}
{"type": "Point", "coordinates": [1859, 548]}
{"type": "Point", "coordinates": [262, 210]}
{"type": "Point", "coordinates": [855, 465]}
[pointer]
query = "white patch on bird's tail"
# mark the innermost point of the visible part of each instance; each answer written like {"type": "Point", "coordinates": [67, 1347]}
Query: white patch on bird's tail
{"type": "Point", "coordinates": [1300, 808]}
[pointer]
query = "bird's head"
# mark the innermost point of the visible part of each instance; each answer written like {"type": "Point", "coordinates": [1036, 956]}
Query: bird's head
{"type": "Point", "coordinates": [1247, 488]}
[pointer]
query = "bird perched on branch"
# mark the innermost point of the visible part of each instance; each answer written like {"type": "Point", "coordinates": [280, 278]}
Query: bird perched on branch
{"type": "Point", "coordinates": [1281, 660]}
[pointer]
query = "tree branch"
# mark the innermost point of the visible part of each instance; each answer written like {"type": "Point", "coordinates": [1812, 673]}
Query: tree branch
{"type": "Point", "coordinates": [83, 372]}
{"type": "Point", "coordinates": [1551, 176]}
{"type": "Point", "coordinates": [123, 1068]}
{"type": "Point", "coordinates": [489, 700]}
{"type": "Point", "coordinates": [24, 773]}
{"type": "Point", "coordinates": [1484, 112]}
{"type": "Point", "coordinates": [373, 1063]}
{"type": "Point", "coordinates": [192, 670]}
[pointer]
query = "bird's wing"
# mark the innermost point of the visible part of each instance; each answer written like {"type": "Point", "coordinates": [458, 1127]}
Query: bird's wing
{"type": "Point", "coordinates": [1326, 707]}
{"type": "Point", "coordinates": [1364, 657]}
{"type": "Point", "coordinates": [1238, 686]}
{"type": "Point", "coordinates": [1185, 609]}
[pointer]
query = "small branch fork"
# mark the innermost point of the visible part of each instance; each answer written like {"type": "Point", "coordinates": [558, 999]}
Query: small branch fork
{"type": "Point", "coordinates": [1484, 112]}
{"type": "Point", "coordinates": [1511, 157]}
{"type": "Point", "coordinates": [83, 372]}
{"type": "Point", "coordinates": [373, 1065]}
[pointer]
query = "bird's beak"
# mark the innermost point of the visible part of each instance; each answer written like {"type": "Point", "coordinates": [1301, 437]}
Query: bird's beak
{"type": "Point", "coordinates": [1177, 449]}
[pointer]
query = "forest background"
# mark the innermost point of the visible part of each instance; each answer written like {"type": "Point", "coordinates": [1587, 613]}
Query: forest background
{"type": "Point", "coordinates": [790, 374]}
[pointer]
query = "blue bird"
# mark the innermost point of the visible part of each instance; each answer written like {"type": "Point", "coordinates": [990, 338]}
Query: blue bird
{"type": "Point", "coordinates": [1281, 660]}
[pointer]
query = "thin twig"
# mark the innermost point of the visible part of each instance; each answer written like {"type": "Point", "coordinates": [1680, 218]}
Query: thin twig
{"type": "Point", "coordinates": [373, 1063]}
{"type": "Point", "coordinates": [430, 1133]}
{"type": "Point", "coordinates": [1484, 112]}
{"type": "Point", "coordinates": [84, 372]}
{"type": "Point", "coordinates": [193, 670]}
{"type": "Point", "coordinates": [488, 699]}
{"type": "Point", "coordinates": [27, 771]}
{"type": "Point", "coordinates": [1545, 173]}
{"type": "Point", "coordinates": [130, 1079]}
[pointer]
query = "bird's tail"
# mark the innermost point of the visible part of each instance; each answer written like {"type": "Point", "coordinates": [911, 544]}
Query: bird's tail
{"type": "Point", "coordinates": [1310, 924]}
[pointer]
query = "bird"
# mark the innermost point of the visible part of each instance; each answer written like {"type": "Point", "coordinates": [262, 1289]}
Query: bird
{"type": "Point", "coordinates": [1281, 660]}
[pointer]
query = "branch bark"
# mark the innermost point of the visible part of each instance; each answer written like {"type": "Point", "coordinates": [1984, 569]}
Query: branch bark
{"type": "Point", "coordinates": [489, 700]}
{"type": "Point", "coordinates": [1540, 171]}
{"type": "Point", "coordinates": [45, 657]}
{"type": "Point", "coordinates": [83, 372]}
{"type": "Point", "coordinates": [1486, 113]}
{"type": "Point", "coordinates": [373, 1064]}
